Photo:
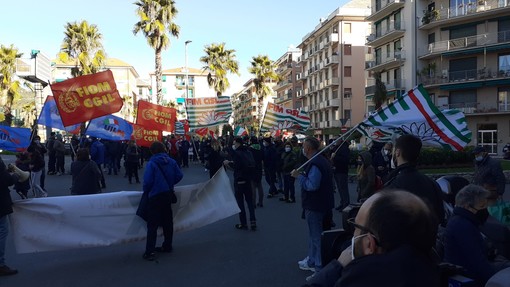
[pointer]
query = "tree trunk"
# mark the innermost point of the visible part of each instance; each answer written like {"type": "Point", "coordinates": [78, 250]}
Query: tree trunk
{"type": "Point", "coordinates": [159, 89]}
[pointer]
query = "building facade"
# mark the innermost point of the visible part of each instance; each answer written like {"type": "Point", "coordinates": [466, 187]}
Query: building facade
{"type": "Point", "coordinates": [458, 49]}
{"type": "Point", "coordinates": [333, 70]}
{"type": "Point", "coordinates": [289, 71]}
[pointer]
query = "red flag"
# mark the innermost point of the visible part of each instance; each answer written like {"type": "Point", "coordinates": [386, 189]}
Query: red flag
{"type": "Point", "coordinates": [155, 117]}
{"type": "Point", "coordinates": [87, 97]}
{"type": "Point", "coordinates": [145, 137]}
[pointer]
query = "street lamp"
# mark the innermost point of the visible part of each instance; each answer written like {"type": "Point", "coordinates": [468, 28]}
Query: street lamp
{"type": "Point", "coordinates": [186, 65]}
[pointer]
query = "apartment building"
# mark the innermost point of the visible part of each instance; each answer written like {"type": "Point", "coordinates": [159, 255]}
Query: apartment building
{"type": "Point", "coordinates": [333, 70]}
{"type": "Point", "coordinates": [458, 49]}
{"type": "Point", "coordinates": [125, 76]}
{"type": "Point", "coordinates": [248, 107]}
{"type": "Point", "coordinates": [174, 87]}
{"type": "Point", "coordinates": [289, 70]}
{"type": "Point", "coordinates": [464, 62]}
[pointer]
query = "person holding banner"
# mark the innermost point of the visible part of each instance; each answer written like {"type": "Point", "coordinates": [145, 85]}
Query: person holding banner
{"type": "Point", "coordinates": [161, 175]}
{"type": "Point", "coordinates": [317, 200]}
{"type": "Point", "coordinates": [6, 179]}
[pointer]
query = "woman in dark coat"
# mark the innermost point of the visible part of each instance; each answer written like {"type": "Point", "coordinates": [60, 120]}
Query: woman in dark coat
{"type": "Point", "coordinates": [214, 159]}
{"type": "Point", "coordinates": [86, 174]}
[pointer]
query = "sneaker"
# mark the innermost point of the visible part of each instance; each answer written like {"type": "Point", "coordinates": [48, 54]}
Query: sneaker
{"type": "Point", "coordinates": [303, 265]}
{"type": "Point", "coordinates": [149, 256]}
{"type": "Point", "coordinates": [6, 271]}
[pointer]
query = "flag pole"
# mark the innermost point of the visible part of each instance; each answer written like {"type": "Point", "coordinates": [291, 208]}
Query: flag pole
{"type": "Point", "coordinates": [346, 135]}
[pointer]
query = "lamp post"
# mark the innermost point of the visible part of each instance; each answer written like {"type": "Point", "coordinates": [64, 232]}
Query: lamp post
{"type": "Point", "coordinates": [186, 65]}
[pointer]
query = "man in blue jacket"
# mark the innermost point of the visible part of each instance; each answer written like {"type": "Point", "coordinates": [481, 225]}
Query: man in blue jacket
{"type": "Point", "coordinates": [316, 198]}
{"type": "Point", "coordinates": [161, 174]}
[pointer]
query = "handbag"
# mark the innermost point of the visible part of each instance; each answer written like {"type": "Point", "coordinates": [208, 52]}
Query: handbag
{"type": "Point", "coordinates": [143, 206]}
{"type": "Point", "coordinates": [173, 197]}
{"type": "Point", "coordinates": [501, 211]}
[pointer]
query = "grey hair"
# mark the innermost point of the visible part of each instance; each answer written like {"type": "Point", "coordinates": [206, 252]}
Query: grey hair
{"type": "Point", "coordinates": [470, 195]}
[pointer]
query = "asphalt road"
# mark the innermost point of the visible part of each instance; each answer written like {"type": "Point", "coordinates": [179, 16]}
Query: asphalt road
{"type": "Point", "coordinates": [215, 255]}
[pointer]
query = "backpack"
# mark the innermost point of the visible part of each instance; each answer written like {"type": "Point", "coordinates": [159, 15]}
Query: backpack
{"type": "Point", "coordinates": [379, 184]}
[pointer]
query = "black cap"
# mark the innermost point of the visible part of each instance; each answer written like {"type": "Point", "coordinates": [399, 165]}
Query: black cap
{"type": "Point", "coordinates": [479, 149]}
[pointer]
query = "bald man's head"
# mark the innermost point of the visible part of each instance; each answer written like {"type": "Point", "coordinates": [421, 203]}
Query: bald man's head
{"type": "Point", "coordinates": [399, 218]}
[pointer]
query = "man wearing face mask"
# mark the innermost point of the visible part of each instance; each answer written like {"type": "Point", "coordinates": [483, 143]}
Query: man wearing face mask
{"type": "Point", "coordinates": [270, 162]}
{"type": "Point", "coordinates": [382, 160]}
{"type": "Point", "coordinates": [488, 169]}
{"type": "Point", "coordinates": [317, 200]}
{"type": "Point", "coordinates": [394, 234]}
{"type": "Point", "coordinates": [243, 164]}
{"type": "Point", "coordinates": [407, 177]}
{"type": "Point", "coordinates": [464, 244]}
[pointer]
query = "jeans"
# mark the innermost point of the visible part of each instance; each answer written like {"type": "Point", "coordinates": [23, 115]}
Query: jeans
{"type": "Point", "coordinates": [132, 170]}
{"type": "Point", "coordinates": [288, 187]}
{"type": "Point", "coordinates": [270, 175]}
{"type": "Point", "coordinates": [279, 180]}
{"type": "Point", "coordinates": [159, 214]}
{"type": "Point", "coordinates": [112, 165]}
{"type": "Point", "coordinates": [243, 193]}
{"type": "Point", "coordinates": [37, 190]}
{"type": "Point", "coordinates": [341, 180]}
{"type": "Point", "coordinates": [314, 220]}
{"type": "Point", "coordinates": [4, 230]}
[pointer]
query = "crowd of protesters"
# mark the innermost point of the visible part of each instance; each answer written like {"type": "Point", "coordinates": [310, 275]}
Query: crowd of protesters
{"type": "Point", "coordinates": [292, 168]}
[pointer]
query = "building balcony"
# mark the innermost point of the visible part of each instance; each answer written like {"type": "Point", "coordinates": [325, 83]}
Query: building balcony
{"type": "Point", "coordinates": [394, 60]}
{"type": "Point", "coordinates": [383, 9]}
{"type": "Point", "coordinates": [331, 60]}
{"type": "Point", "coordinates": [474, 11]}
{"type": "Point", "coordinates": [283, 83]}
{"type": "Point", "coordinates": [335, 81]}
{"type": "Point", "coordinates": [300, 93]}
{"type": "Point", "coordinates": [392, 86]}
{"type": "Point", "coordinates": [452, 80]}
{"type": "Point", "coordinates": [489, 41]}
{"type": "Point", "coordinates": [333, 38]}
{"type": "Point", "coordinates": [479, 108]}
{"type": "Point", "coordinates": [298, 76]}
{"type": "Point", "coordinates": [395, 30]}
{"type": "Point", "coordinates": [334, 102]}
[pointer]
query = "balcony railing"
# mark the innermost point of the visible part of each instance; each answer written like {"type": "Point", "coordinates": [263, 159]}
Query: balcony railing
{"type": "Point", "coordinates": [393, 84]}
{"type": "Point", "coordinates": [334, 59]}
{"type": "Point", "coordinates": [396, 56]}
{"type": "Point", "coordinates": [484, 74]}
{"type": "Point", "coordinates": [478, 108]}
{"type": "Point", "coordinates": [468, 42]}
{"type": "Point", "coordinates": [380, 5]}
{"type": "Point", "coordinates": [463, 9]}
{"type": "Point", "coordinates": [392, 27]}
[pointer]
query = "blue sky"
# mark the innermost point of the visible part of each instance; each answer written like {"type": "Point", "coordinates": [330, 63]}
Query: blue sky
{"type": "Point", "coordinates": [249, 27]}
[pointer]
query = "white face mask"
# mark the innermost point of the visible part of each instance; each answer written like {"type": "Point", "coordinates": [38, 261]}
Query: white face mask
{"type": "Point", "coordinates": [386, 152]}
{"type": "Point", "coordinates": [266, 143]}
{"type": "Point", "coordinates": [353, 240]}
{"type": "Point", "coordinates": [287, 149]}
{"type": "Point", "coordinates": [303, 151]}
{"type": "Point", "coordinates": [234, 147]}
{"type": "Point", "coordinates": [479, 158]}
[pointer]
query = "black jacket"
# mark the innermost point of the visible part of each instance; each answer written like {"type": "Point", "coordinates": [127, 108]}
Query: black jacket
{"type": "Point", "coordinates": [86, 177]}
{"type": "Point", "coordinates": [402, 267]}
{"type": "Point", "coordinates": [6, 179]}
{"type": "Point", "coordinates": [489, 171]}
{"type": "Point", "coordinates": [408, 178]}
{"type": "Point", "coordinates": [341, 158]}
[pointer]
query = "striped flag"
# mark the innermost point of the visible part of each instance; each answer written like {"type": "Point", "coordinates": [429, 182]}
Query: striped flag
{"type": "Point", "coordinates": [278, 118]}
{"type": "Point", "coordinates": [414, 113]}
{"type": "Point", "coordinates": [208, 112]}
{"type": "Point", "coordinates": [240, 131]}
{"type": "Point", "coordinates": [181, 127]}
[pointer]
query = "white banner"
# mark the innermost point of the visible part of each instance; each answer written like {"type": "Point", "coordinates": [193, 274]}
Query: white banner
{"type": "Point", "coordinates": [58, 223]}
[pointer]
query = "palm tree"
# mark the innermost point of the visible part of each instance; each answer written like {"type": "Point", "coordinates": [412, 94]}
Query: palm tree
{"type": "Point", "coordinates": [264, 70]}
{"type": "Point", "coordinates": [156, 21]}
{"type": "Point", "coordinates": [9, 88]}
{"type": "Point", "coordinates": [83, 45]}
{"type": "Point", "coordinates": [380, 94]}
{"type": "Point", "coordinates": [218, 62]}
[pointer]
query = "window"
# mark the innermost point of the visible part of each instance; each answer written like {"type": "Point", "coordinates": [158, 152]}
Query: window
{"type": "Point", "coordinates": [347, 114]}
{"type": "Point", "coordinates": [347, 93]}
{"type": "Point", "coordinates": [504, 65]}
{"type": "Point", "coordinates": [347, 71]}
{"type": "Point", "coordinates": [347, 49]}
{"type": "Point", "coordinates": [388, 50]}
{"type": "Point", "coordinates": [432, 38]}
{"type": "Point", "coordinates": [163, 78]}
{"type": "Point", "coordinates": [463, 69]}
{"type": "Point", "coordinates": [347, 28]}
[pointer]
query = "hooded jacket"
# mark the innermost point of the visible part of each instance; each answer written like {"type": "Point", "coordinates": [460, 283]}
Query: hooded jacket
{"type": "Point", "coordinates": [86, 177]}
{"type": "Point", "coordinates": [156, 181]}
